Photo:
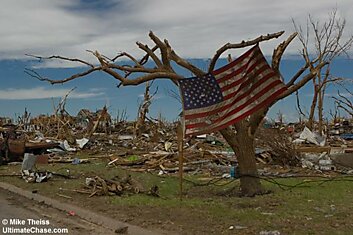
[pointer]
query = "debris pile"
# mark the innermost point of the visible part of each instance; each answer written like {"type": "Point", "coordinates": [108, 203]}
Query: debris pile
{"type": "Point", "coordinates": [117, 186]}
{"type": "Point", "coordinates": [323, 153]}
{"type": "Point", "coordinates": [277, 147]}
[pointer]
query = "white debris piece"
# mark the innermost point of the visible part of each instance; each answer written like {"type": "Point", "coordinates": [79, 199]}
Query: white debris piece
{"type": "Point", "coordinates": [311, 137]}
{"type": "Point", "coordinates": [82, 142]}
{"type": "Point", "coordinates": [65, 145]}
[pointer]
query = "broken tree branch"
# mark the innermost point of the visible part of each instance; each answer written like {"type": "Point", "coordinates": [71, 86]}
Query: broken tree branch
{"type": "Point", "coordinates": [163, 48]}
{"type": "Point", "coordinates": [62, 58]}
{"type": "Point", "coordinates": [298, 104]}
{"type": "Point", "coordinates": [183, 63]}
{"type": "Point", "coordinates": [150, 54]}
{"type": "Point", "coordinates": [302, 82]}
{"type": "Point", "coordinates": [297, 75]}
{"type": "Point", "coordinates": [36, 75]}
{"type": "Point", "coordinates": [279, 50]}
{"type": "Point", "coordinates": [242, 44]}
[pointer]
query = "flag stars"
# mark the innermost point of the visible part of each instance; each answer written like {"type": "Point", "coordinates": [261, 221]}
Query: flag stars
{"type": "Point", "coordinates": [200, 92]}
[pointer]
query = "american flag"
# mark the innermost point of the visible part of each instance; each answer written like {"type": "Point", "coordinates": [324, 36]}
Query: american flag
{"type": "Point", "coordinates": [229, 94]}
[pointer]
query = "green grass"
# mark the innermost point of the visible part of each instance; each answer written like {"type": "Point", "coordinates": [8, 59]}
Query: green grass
{"type": "Point", "coordinates": [314, 206]}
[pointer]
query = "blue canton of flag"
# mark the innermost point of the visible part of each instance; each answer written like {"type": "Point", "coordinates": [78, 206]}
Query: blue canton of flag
{"type": "Point", "coordinates": [200, 92]}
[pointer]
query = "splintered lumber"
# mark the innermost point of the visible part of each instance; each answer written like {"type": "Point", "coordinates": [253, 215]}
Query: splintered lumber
{"type": "Point", "coordinates": [174, 169]}
{"type": "Point", "coordinates": [260, 160]}
{"type": "Point", "coordinates": [64, 196]}
{"type": "Point", "coordinates": [103, 183]}
{"type": "Point", "coordinates": [81, 191]}
{"type": "Point", "coordinates": [66, 160]}
{"type": "Point", "coordinates": [76, 190]}
{"type": "Point", "coordinates": [113, 161]}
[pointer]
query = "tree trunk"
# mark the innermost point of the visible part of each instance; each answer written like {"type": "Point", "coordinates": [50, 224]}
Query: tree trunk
{"type": "Point", "coordinates": [249, 182]}
{"type": "Point", "coordinates": [242, 144]}
{"type": "Point", "coordinates": [321, 110]}
{"type": "Point", "coordinates": [143, 110]}
{"type": "Point", "coordinates": [310, 123]}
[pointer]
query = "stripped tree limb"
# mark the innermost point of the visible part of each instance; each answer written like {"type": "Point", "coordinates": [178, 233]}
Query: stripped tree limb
{"type": "Point", "coordinates": [303, 81]}
{"type": "Point", "coordinates": [61, 58]}
{"type": "Point", "coordinates": [298, 104]}
{"type": "Point", "coordinates": [297, 75]}
{"type": "Point", "coordinates": [122, 54]}
{"type": "Point", "coordinates": [36, 75]}
{"type": "Point", "coordinates": [242, 44]}
{"type": "Point", "coordinates": [162, 47]}
{"type": "Point", "coordinates": [198, 72]}
{"type": "Point", "coordinates": [278, 52]}
{"type": "Point", "coordinates": [150, 53]}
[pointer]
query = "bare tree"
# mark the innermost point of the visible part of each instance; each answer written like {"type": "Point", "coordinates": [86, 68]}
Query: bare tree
{"type": "Point", "coordinates": [329, 43]}
{"type": "Point", "coordinates": [144, 108]}
{"type": "Point", "coordinates": [242, 139]}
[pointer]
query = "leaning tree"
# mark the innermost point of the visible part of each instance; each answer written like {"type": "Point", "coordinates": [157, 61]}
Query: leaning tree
{"type": "Point", "coordinates": [241, 135]}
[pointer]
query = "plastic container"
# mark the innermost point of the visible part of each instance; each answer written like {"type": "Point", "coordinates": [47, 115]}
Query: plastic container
{"type": "Point", "coordinates": [232, 172]}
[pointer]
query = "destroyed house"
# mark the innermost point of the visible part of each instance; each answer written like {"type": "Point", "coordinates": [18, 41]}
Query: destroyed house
{"type": "Point", "coordinates": [86, 119]}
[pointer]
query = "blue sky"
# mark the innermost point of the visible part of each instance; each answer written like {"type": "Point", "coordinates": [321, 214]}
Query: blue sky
{"type": "Point", "coordinates": [196, 29]}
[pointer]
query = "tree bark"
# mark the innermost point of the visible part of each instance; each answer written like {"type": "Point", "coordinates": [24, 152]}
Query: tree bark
{"type": "Point", "coordinates": [310, 123]}
{"type": "Point", "coordinates": [320, 107]}
{"type": "Point", "coordinates": [242, 143]}
{"type": "Point", "coordinates": [321, 97]}
{"type": "Point", "coordinates": [143, 110]}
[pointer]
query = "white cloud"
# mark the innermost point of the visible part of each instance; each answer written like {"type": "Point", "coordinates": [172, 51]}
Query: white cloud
{"type": "Point", "coordinates": [44, 93]}
{"type": "Point", "coordinates": [195, 28]}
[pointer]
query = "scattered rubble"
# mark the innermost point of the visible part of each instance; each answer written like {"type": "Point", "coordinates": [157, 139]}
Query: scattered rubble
{"type": "Point", "coordinates": [42, 140]}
